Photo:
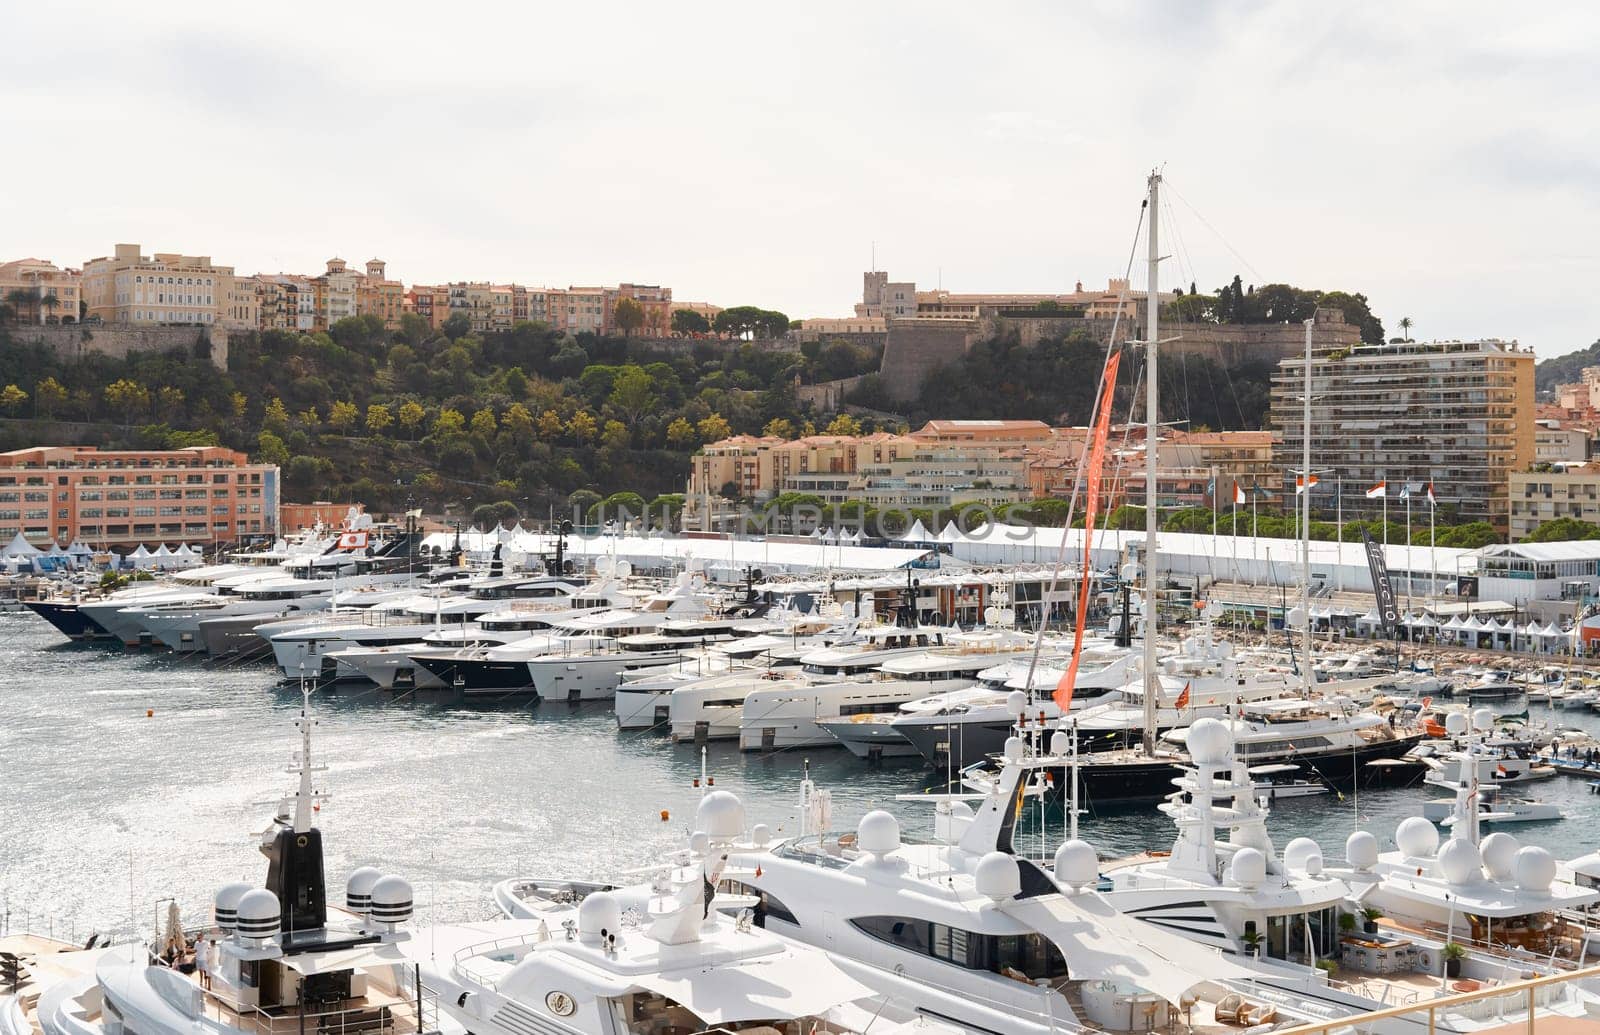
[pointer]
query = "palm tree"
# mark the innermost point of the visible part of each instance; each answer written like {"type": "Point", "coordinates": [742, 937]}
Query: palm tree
{"type": "Point", "coordinates": [1405, 327]}
{"type": "Point", "coordinates": [16, 298]}
{"type": "Point", "coordinates": [50, 302]}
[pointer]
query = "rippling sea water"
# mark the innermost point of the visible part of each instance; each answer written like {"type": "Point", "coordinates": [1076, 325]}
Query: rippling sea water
{"type": "Point", "coordinates": [108, 810]}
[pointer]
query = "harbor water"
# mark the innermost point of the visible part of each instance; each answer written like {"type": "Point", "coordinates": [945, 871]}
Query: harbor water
{"type": "Point", "coordinates": [130, 778]}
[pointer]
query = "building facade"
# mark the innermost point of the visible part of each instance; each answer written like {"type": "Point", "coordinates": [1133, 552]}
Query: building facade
{"type": "Point", "coordinates": [40, 291]}
{"type": "Point", "coordinates": [376, 295]}
{"type": "Point", "coordinates": [1540, 496]}
{"type": "Point", "coordinates": [1458, 414]}
{"type": "Point", "coordinates": [166, 288]}
{"type": "Point", "coordinates": [119, 499]}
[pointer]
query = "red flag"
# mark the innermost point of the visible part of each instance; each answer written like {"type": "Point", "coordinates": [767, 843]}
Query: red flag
{"type": "Point", "coordinates": [1183, 698]}
{"type": "Point", "coordinates": [1091, 504]}
{"type": "Point", "coordinates": [353, 541]}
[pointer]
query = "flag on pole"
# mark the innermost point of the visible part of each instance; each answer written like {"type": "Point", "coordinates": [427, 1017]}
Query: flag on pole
{"type": "Point", "coordinates": [1211, 489]}
{"type": "Point", "coordinates": [1238, 493]}
{"type": "Point", "coordinates": [1432, 501]}
{"type": "Point", "coordinates": [353, 541]}
{"type": "Point", "coordinates": [1183, 698]}
{"type": "Point", "coordinates": [1405, 491]}
{"type": "Point", "coordinates": [1303, 482]}
{"type": "Point", "coordinates": [1378, 491]}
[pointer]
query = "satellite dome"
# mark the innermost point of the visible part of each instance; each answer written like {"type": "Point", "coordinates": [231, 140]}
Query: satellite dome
{"type": "Point", "coordinates": [699, 842]}
{"type": "Point", "coordinates": [599, 916]}
{"type": "Point", "coordinates": [1210, 742]}
{"type": "Point", "coordinates": [1016, 704]}
{"type": "Point", "coordinates": [391, 900]}
{"type": "Point", "coordinates": [1361, 850]}
{"type": "Point", "coordinates": [1296, 618]}
{"type": "Point", "coordinates": [1499, 851]}
{"type": "Point", "coordinates": [760, 834]}
{"type": "Point", "coordinates": [720, 815]}
{"type": "Point", "coordinates": [1014, 748]}
{"type": "Point", "coordinates": [998, 877]}
{"type": "Point", "coordinates": [1456, 723]}
{"type": "Point", "coordinates": [878, 833]}
{"type": "Point", "coordinates": [225, 906]}
{"type": "Point", "coordinates": [358, 889]}
{"type": "Point", "coordinates": [259, 918]}
{"type": "Point", "coordinates": [1483, 720]}
{"type": "Point", "coordinates": [1304, 855]}
{"type": "Point", "coordinates": [1535, 868]}
{"type": "Point", "coordinates": [949, 822]}
{"type": "Point", "coordinates": [1077, 864]}
{"type": "Point", "coordinates": [1416, 838]}
{"type": "Point", "coordinates": [1459, 862]}
{"type": "Point", "coordinates": [1060, 743]}
{"type": "Point", "coordinates": [1248, 869]}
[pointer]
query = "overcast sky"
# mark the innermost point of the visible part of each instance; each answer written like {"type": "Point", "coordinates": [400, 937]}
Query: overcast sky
{"type": "Point", "coordinates": [1442, 158]}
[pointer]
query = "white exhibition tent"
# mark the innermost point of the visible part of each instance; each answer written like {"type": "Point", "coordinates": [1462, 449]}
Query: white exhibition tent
{"type": "Point", "coordinates": [917, 533]}
{"type": "Point", "coordinates": [20, 547]}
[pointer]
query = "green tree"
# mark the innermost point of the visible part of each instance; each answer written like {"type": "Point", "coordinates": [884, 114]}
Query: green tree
{"type": "Point", "coordinates": [13, 399]}
{"type": "Point", "coordinates": [344, 416]}
{"type": "Point", "coordinates": [1560, 530]}
{"type": "Point", "coordinates": [308, 417]}
{"type": "Point", "coordinates": [628, 316]}
{"type": "Point", "coordinates": [582, 427]}
{"type": "Point", "coordinates": [275, 417]}
{"type": "Point", "coordinates": [781, 427]}
{"type": "Point", "coordinates": [615, 435]}
{"type": "Point", "coordinates": [843, 424]}
{"type": "Point", "coordinates": [549, 425]}
{"type": "Point", "coordinates": [411, 416]}
{"type": "Point", "coordinates": [270, 449]}
{"type": "Point", "coordinates": [378, 418]}
{"type": "Point", "coordinates": [484, 424]}
{"type": "Point", "coordinates": [687, 322]}
{"type": "Point", "coordinates": [170, 399]}
{"type": "Point", "coordinates": [47, 396]}
{"type": "Point", "coordinates": [449, 423]}
{"type": "Point", "coordinates": [680, 433]}
{"type": "Point", "coordinates": [456, 326]}
{"type": "Point", "coordinates": [713, 428]}
{"type": "Point", "coordinates": [518, 421]}
{"type": "Point", "coordinates": [633, 392]}
{"type": "Point", "coordinates": [1405, 329]}
{"type": "Point", "coordinates": [127, 397]}
{"type": "Point", "coordinates": [238, 403]}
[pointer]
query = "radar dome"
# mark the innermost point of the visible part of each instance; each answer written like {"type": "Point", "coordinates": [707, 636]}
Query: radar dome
{"type": "Point", "coordinates": [1459, 862]}
{"type": "Point", "coordinates": [1014, 748]}
{"type": "Point", "coordinates": [760, 835]}
{"type": "Point", "coordinates": [1060, 743]}
{"type": "Point", "coordinates": [998, 876]}
{"type": "Point", "coordinates": [1304, 855]}
{"type": "Point", "coordinates": [878, 833]}
{"type": "Point", "coordinates": [225, 907]}
{"type": "Point", "coordinates": [258, 915]}
{"type": "Point", "coordinates": [1534, 867]}
{"type": "Point", "coordinates": [1416, 837]}
{"type": "Point", "coordinates": [1483, 719]}
{"type": "Point", "coordinates": [1361, 850]}
{"type": "Point", "coordinates": [1210, 742]}
{"type": "Point", "coordinates": [1248, 869]}
{"type": "Point", "coordinates": [1296, 618]}
{"type": "Point", "coordinates": [391, 900]}
{"type": "Point", "coordinates": [1016, 704]}
{"type": "Point", "coordinates": [720, 815]}
{"type": "Point", "coordinates": [1456, 724]}
{"type": "Point", "coordinates": [358, 889]}
{"type": "Point", "coordinates": [1077, 864]}
{"type": "Point", "coordinates": [599, 916]}
{"type": "Point", "coordinates": [699, 842]}
{"type": "Point", "coordinates": [1499, 851]}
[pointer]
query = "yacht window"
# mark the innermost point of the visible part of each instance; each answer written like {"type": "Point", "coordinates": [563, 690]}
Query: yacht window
{"type": "Point", "coordinates": [1031, 956]}
{"type": "Point", "coordinates": [769, 906]}
{"type": "Point", "coordinates": [899, 931]}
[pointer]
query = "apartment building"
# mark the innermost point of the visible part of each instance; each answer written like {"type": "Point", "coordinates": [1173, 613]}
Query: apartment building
{"type": "Point", "coordinates": [336, 292]}
{"type": "Point", "coordinates": [430, 303]}
{"type": "Point", "coordinates": [41, 291]}
{"type": "Point", "coordinates": [578, 309]}
{"type": "Point", "coordinates": [655, 300]}
{"type": "Point", "coordinates": [1561, 442]}
{"type": "Point", "coordinates": [242, 304]}
{"type": "Point", "coordinates": [377, 295]}
{"type": "Point", "coordinates": [287, 303]}
{"type": "Point", "coordinates": [1540, 496]}
{"type": "Point", "coordinates": [1458, 414]}
{"type": "Point", "coordinates": [122, 498]}
{"type": "Point", "coordinates": [128, 287]}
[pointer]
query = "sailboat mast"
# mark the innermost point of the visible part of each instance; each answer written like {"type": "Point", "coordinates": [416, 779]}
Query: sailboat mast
{"type": "Point", "coordinates": [1152, 681]}
{"type": "Point", "coordinates": [1308, 676]}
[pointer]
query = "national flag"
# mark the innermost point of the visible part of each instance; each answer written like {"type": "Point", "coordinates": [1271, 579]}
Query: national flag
{"type": "Point", "coordinates": [1501, 769]}
{"type": "Point", "coordinates": [353, 541]}
{"type": "Point", "coordinates": [1405, 491]}
{"type": "Point", "coordinates": [1378, 491]}
{"type": "Point", "coordinates": [1303, 482]}
{"type": "Point", "coordinates": [1238, 493]}
{"type": "Point", "coordinates": [1432, 500]}
{"type": "Point", "coordinates": [1211, 487]}
{"type": "Point", "coordinates": [1183, 698]}
{"type": "Point", "coordinates": [414, 513]}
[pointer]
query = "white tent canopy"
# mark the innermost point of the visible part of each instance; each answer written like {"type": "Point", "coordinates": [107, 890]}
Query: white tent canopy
{"type": "Point", "coordinates": [20, 547]}
{"type": "Point", "coordinates": [917, 533]}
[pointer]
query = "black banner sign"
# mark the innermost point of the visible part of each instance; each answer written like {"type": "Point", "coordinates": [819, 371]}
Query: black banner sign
{"type": "Point", "coordinates": [1388, 607]}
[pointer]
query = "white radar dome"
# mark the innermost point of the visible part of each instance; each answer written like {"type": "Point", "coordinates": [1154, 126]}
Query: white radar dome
{"type": "Point", "coordinates": [391, 900]}
{"type": "Point", "coordinates": [1483, 720]}
{"type": "Point", "coordinates": [1016, 704]}
{"type": "Point", "coordinates": [1248, 869]}
{"type": "Point", "coordinates": [760, 835]}
{"type": "Point", "coordinates": [1304, 855]}
{"type": "Point", "coordinates": [1459, 862]}
{"type": "Point", "coordinates": [1077, 864]}
{"type": "Point", "coordinates": [699, 842]}
{"type": "Point", "coordinates": [878, 833]}
{"type": "Point", "coordinates": [1210, 742]}
{"type": "Point", "coordinates": [720, 815]}
{"type": "Point", "coordinates": [998, 877]}
{"type": "Point", "coordinates": [1499, 851]}
{"type": "Point", "coordinates": [358, 889]}
{"type": "Point", "coordinates": [225, 906]}
{"type": "Point", "coordinates": [599, 916]}
{"type": "Point", "coordinates": [1535, 868]}
{"type": "Point", "coordinates": [1456, 724]}
{"type": "Point", "coordinates": [258, 915]}
{"type": "Point", "coordinates": [1361, 850]}
{"type": "Point", "coordinates": [1416, 838]}
{"type": "Point", "coordinates": [1014, 748]}
{"type": "Point", "coordinates": [1060, 743]}
{"type": "Point", "coordinates": [1296, 618]}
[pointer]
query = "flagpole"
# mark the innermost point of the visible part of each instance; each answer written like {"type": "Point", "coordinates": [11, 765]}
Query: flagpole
{"type": "Point", "coordinates": [1255, 562]}
{"type": "Point", "coordinates": [1433, 558]}
{"type": "Point", "coordinates": [1407, 491]}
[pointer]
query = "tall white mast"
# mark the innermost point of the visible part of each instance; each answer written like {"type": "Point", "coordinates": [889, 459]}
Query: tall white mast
{"type": "Point", "coordinates": [1152, 682]}
{"type": "Point", "coordinates": [1308, 678]}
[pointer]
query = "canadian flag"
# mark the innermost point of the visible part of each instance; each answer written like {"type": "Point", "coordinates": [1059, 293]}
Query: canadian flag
{"type": "Point", "coordinates": [353, 541]}
{"type": "Point", "coordinates": [1238, 493]}
{"type": "Point", "coordinates": [1378, 491]}
{"type": "Point", "coordinates": [1304, 482]}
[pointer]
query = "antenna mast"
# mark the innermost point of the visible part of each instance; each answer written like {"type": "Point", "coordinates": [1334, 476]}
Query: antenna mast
{"type": "Point", "coordinates": [1152, 681]}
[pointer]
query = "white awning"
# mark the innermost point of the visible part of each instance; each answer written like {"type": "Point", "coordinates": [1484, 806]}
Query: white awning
{"type": "Point", "coordinates": [774, 986]}
{"type": "Point", "coordinates": [1103, 944]}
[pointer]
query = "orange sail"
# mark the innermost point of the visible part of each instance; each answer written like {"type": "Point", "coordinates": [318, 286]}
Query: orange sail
{"type": "Point", "coordinates": [1091, 504]}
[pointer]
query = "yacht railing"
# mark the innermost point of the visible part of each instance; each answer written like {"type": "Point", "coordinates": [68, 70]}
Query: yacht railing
{"type": "Point", "coordinates": [1513, 1003]}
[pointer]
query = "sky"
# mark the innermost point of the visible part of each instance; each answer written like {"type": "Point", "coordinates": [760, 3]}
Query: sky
{"type": "Point", "coordinates": [1441, 158]}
